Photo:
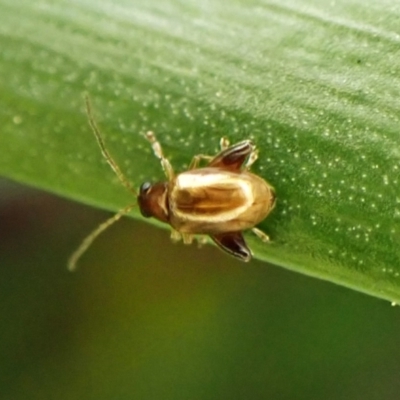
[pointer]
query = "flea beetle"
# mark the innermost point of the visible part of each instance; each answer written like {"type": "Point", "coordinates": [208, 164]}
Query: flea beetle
{"type": "Point", "coordinates": [219, 200]}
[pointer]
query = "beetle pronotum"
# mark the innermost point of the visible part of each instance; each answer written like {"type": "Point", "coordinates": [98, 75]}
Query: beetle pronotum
{"type": "Point", "coordinates": [219, 200]}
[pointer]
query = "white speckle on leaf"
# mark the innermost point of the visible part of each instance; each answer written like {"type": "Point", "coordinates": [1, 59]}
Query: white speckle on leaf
{"type": "Point", "coordinates": [385, 180]}
{"type": "Point", "coordinates": [17, 119]}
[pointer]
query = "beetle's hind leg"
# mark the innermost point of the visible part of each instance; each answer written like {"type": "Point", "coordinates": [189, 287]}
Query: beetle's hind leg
{"type": "Point", "coordinates": [235, 157]}
{"type": "Point", "coordinates": [252, 159]}
{"type": "Point", "coordinates": [224, 143]}
{"type": "Point", "coordinates": [253, 155]}
{"type": "Point", "coordinates": [260, 234]}
{"type": "Point", "coordinates": [157, 149]}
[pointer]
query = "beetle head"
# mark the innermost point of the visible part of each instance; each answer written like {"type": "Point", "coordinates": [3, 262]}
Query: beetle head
{"type": "Point", "coordinates": [152, 200]}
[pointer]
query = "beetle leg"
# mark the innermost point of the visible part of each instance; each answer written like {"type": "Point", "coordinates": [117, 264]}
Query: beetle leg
{"type": "Point", "coordinates": [234, 244]}
{"type": "Point", "coordinates": [224, 143]}
{"type": "Point", "coordinates": [175, 236]}
{"type": "Point", "coordinates": [187, 238]}
{"type": "Point", "coordinates": [252, 158]}
{"type": "Point", "coordinates": [202, 240]}
{"type": "Point", "coordinates": [157, 149]}
{"type": "Point", "coordinates": [233, 158]}
{"type": "Point", "coordinates": [263, 236]}
{"type": "Point", "coordinates": [196, 159]}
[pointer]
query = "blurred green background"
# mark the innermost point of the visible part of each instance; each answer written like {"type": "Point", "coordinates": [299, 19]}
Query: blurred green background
{"type": "Point", "coordinates": [145, 319]}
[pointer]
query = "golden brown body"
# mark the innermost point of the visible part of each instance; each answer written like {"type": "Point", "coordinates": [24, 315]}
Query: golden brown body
{"type": "Point", "coordinates": [212, 200]}
{"type": "Point", "coordinates": [220, 200]}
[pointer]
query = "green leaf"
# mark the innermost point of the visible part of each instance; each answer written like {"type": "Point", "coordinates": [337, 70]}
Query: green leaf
{"type": "Point", "coordinates": [316, 84]}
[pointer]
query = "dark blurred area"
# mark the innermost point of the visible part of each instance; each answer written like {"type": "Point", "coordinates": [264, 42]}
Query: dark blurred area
{"type": "Point", "coordinates": [145, 319]}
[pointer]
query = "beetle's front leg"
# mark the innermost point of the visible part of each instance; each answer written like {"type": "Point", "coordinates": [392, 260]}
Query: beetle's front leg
{"type": "Point", "coordinates": [157, 149]}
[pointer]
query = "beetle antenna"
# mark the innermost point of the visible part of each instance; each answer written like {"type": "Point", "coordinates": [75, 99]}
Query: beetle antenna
{"type": "Point", "coordinates": [86, 243]}
{"type": "Point", "coordinates": [104, 151]}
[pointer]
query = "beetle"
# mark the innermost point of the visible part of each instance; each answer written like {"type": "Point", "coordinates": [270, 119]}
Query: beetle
{"type": "Point", "coordinates": [220, 200]}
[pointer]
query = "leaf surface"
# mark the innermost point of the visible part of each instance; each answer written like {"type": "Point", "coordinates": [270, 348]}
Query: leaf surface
{"type": "Point", "coordinates": [315, 84]}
